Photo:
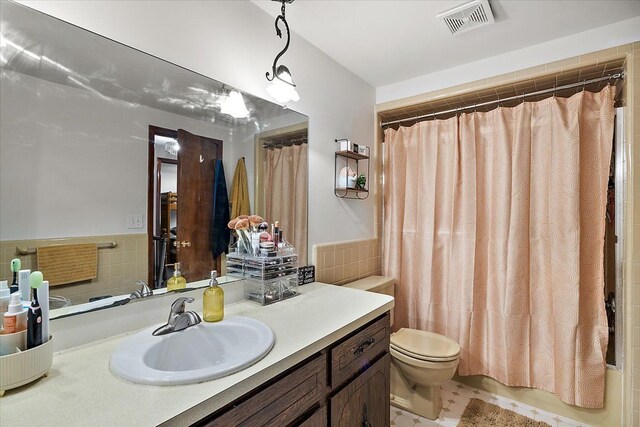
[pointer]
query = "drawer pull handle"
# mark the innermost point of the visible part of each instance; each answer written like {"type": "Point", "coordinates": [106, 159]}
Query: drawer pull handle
{"type": "Point", "coordinates": [363, 346]}
{"type": "Point", "coordinates": [365, 418]}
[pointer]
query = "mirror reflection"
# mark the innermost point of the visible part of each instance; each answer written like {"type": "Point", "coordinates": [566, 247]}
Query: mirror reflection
{"type": "Point", "coordinates": [116, 165]}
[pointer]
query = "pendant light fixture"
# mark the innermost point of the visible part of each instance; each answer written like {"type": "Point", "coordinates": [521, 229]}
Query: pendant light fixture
{"type": "Point", "coordinates": [282, 87]}
{"type": "Point", "coordinates": [172, 147]}
{"type": "Point", "coordinates": [234, 105]}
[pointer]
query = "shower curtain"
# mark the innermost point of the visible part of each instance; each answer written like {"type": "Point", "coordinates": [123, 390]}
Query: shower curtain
{"type": "Point", "coordinates": [494, 228]}
{"type": "Point", "coordinates": [285, 189]}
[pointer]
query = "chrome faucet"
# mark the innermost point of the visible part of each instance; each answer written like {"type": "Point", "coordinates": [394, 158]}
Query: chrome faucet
{"type": "Point", "coordinates": [178, 318]}
{"type": "Point", "coordinates": [143, 292]}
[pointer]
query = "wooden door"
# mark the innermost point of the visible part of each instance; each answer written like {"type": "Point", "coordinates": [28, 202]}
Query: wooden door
{"type": "Point", "coordinates": [195, 202]}
{"type": "Point", "coordinates": [364, 401]}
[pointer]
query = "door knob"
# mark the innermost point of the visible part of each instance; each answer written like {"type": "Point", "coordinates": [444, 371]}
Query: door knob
{"type": "Point", "coordinates": [185, 244]}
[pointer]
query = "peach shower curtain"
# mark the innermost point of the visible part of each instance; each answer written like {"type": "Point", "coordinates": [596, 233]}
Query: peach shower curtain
{"type": "Point", "coordinates": [494, 228]}
{"type": "Point", "coordinates": [285, 189]}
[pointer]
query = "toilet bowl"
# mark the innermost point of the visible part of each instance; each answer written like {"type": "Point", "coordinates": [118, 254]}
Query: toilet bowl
{"type": "Point", "coordinates": [420, 360]}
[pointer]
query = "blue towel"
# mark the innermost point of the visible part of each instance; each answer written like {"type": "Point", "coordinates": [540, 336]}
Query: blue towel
{"type": "Point", "coordinates": [220, 233]}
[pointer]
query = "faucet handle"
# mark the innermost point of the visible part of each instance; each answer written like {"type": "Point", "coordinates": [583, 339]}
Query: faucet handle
{"type": "Point", "coordinates": [144, 291]}
{"type": "Point", "coordinates": [177, 307]}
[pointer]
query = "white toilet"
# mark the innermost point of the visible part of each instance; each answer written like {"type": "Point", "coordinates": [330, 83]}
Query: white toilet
{"type": "Point", "coordinates": [420, 361]}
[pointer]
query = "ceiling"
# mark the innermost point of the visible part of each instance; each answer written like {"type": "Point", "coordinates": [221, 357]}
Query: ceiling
{"type": "Point", "coordinates": [385, 41]}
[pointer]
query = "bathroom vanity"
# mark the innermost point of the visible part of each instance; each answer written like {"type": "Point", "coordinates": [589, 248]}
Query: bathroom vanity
{"type": "Point", "coordinates": [329, 366]}
{"type": "Point", "coordinates": [346, 383]}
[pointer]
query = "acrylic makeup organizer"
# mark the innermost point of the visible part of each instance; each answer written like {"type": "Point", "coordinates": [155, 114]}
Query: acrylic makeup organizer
{"type": "Point", "coordinates": [268, 279]}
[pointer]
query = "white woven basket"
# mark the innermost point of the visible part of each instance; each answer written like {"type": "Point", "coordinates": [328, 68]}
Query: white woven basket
{"type": "Point", "coordinates": [21, 368]}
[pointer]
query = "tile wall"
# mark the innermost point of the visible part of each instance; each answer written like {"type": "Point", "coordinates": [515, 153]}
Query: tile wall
{"type": "Point", "coordinates": [118, 268]}
{"type": "Point", "coordinates": [343, 262]}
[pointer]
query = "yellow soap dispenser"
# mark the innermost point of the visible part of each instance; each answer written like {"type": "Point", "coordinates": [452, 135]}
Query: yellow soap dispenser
{"type": "Point", "coordinates": [177, 281]}
{"type": "Point", "coordinates": [213, 300]}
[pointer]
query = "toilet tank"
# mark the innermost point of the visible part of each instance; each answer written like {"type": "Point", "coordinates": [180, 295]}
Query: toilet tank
{"type": "Point", "coordinates": [378, 284]}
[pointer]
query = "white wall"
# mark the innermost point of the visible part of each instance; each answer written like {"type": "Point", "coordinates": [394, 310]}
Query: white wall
{"type": "Point", "coordinates": [169, 178]}
{"type": "Point", "coordinates": [555, 50]}
{"type": "Point", "coordinates": [235, 42]}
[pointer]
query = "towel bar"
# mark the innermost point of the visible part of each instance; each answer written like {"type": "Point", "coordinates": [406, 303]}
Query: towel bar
{"type": "Point", "coordinates": [32, 251]}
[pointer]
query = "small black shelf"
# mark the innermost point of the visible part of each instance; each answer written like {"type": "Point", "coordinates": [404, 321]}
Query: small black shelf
{"type": "Point", "coordinates": [350, 192]}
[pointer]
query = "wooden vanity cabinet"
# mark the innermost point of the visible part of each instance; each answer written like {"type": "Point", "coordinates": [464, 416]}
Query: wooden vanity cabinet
{"type": "Point", "coordinates": [365, 400]}
{"type": "Point", "coordinates": [346, 385]}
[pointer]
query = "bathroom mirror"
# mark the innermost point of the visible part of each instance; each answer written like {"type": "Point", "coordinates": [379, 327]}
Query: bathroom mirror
{"type": "Point", "coordinates": [112, 153]}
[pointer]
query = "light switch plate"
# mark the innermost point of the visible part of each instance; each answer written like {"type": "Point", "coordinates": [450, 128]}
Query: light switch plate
{"type": "Point", "coordinates": [135, 221]}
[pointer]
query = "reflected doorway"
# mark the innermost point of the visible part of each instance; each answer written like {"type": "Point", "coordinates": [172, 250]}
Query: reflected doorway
{"type": "Point", "coordinates": [180, 201]}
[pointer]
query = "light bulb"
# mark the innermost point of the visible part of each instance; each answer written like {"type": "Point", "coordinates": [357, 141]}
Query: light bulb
{"type": "Point", "coordinates": [282, 88]}
{"type": "Point", "coordinates": [172, 147]}
{"type": "Point", "coordinates": [234, 105]}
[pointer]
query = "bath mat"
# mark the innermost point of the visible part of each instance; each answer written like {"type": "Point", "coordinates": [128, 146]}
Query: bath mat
{"type": "Point", "coordinates": [481, 413]}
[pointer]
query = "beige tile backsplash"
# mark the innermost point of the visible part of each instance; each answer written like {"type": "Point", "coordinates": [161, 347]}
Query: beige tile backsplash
{"type": "Point", "coordinates": [118, 268]}
{"type": "Point", "coordinates": [343, 262]}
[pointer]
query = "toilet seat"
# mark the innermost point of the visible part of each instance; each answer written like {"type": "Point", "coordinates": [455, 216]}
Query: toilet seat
{"type": "Point", "coordinates": [422, 364]}
{"type": "Point", "coordinates": [424, 346]}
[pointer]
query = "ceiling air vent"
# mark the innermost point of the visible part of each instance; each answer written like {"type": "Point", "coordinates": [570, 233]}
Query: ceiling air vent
{"type": "Point", "coordinates": [468, 16]}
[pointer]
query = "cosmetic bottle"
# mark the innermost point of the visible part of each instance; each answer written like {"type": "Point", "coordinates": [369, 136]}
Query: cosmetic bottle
{"type": "Point", "coordinates": [213, 300]}
{"type": "Point", "coordinates": [255, 242]}
{"type": "Point", "coordinates": [276, 234]}
{"type": "Point", "coordinates": [43, 298]}
{"type": "Point", "coordinates": [177, 281]}
{"type": "Point", "coordinates": [281, 242]}
{"type": "Point", "coordinates": [15, 319]}
{"type": "Point", "coordinates": [23, 285]}
{"type": "Point", "coordinates": [5, 296]}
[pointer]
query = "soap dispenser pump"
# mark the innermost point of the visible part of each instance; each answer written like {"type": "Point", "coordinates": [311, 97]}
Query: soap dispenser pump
{"type": "Point", "coordinates": [177, 281]}
{"type": "Point", "coordinates": [213, 300]}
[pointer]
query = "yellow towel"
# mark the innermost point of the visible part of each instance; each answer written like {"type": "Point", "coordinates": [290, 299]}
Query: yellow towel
{"type": "Point", "coordinates": [64, 264]}
{"type": "Point", "coordinates": [240, 191]}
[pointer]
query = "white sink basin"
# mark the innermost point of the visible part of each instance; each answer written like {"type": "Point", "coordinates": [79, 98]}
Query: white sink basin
{"type": "Point", "coordinates": [199, 353]}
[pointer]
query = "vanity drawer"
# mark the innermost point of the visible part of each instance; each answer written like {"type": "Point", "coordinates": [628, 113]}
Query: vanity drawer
{"type": "Point", "coordinates": [282, 402]}
{"type": "Point", "coordinates": [318, 419]}
{"type": "Point", "coordinates": [357, 352]}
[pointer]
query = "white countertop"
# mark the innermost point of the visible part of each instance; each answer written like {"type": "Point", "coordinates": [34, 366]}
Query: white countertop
{"type": "Point", "coordinates": [81, 390]}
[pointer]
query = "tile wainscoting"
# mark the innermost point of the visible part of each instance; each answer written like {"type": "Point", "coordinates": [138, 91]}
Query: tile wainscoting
{"type": "Point", "coordinates": [118, 268]}
{"type": "Point", "coordinates": [343, 262]}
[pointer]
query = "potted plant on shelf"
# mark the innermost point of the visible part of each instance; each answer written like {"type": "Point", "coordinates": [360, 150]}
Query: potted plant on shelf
{"type": "Point", "coordinates": [361, 181]}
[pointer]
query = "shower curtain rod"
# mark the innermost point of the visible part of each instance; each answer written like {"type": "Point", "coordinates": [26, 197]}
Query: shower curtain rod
{"type": "Point", "coordinates": [617, 76]}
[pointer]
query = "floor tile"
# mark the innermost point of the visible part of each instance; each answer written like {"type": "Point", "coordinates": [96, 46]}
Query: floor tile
{"type": "Point", "coordinates": [456, 397]}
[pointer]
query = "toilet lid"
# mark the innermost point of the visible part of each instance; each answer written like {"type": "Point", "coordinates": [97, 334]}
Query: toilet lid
{"type": "Point", "coordinates": [425, 345]}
